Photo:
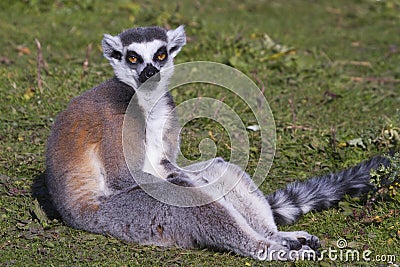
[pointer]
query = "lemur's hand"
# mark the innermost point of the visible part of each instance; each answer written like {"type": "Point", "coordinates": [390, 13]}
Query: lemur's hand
{"type": "Point", "coordinates": [177, 173]}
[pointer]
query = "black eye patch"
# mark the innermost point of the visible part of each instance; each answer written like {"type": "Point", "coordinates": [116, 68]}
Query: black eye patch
{"type": "Point", "coordinates": [161, 54]}
{"type": "Point", "coordinates": [130, 55]}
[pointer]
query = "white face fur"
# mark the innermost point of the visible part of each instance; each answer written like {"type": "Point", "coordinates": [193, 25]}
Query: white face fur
{"type": "Point", "coordinates": [138, 54]}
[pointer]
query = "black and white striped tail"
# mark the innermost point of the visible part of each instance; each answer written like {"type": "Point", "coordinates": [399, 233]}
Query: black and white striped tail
{"type": "Point", "coordinates": [319, 193]}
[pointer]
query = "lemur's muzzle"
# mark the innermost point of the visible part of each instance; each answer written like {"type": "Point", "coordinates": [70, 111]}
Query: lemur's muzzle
{"type": "Point", "coordinates": [148, 72]}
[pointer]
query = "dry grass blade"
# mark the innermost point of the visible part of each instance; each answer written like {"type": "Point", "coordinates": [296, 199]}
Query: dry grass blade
{"type": "Point", "coordinates": [40, 64]}
{"type": "Point", "coordinates": [86, 62]}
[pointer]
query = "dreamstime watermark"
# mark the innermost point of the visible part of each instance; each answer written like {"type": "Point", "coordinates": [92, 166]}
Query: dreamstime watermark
{"type": "Point", "coordinates": [342, 253]}
{"type": "Point", "coordinates": [151, 96]}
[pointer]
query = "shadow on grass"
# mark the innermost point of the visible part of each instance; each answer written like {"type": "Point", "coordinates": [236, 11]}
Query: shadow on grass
{"type": "Point", "coordinates": [41, 194]}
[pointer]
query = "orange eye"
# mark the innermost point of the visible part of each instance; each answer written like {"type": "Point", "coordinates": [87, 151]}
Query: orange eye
{"type": "Point", "coordinates": [161, 57]}
{"type": "Point", "coordinates": [132, 59]}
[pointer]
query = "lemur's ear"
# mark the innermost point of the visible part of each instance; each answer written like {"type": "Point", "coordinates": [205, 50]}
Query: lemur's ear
{"type": "Point", "coordinates": [112, 47]}
{"type": "Point", "coordinates": [176, 39]}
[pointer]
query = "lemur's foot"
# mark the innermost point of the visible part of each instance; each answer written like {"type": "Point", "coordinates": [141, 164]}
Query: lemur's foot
{"type": "Point", "coordinates": [300, 238]}
{"type": "Point", "coordinates": [294, 246]}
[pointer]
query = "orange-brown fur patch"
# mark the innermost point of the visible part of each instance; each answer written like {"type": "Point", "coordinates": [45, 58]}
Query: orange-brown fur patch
{"type": "Point", "coordinates": [86, 184]}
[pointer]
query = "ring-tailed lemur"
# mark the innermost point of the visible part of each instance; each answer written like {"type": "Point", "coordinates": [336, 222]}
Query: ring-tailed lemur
{"type": "Point", "coordinates": [93, 189]}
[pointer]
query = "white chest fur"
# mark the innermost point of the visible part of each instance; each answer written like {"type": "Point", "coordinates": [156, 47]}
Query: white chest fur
{"type": "Point", "coordinates": [157, 114]}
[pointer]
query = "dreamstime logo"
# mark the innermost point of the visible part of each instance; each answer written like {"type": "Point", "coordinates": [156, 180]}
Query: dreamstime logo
{"type": "Point", "coordinates": [341, 253]}
{"type": "Point", "coordinates": [341, 243]}
{"type": "Point", "coordinates": [148, 116]}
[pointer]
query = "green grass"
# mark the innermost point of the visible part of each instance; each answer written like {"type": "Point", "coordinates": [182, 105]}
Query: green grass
{"type": "Point", "coordinates": [339, 83]}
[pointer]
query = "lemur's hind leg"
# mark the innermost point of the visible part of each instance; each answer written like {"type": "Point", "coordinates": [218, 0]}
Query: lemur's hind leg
{"type": "Point", "coordinates": [133, 215]}
{"type": "Point", "coordinates": [244, 196]}
{"type": "Point", "coordinates": [249, 201]}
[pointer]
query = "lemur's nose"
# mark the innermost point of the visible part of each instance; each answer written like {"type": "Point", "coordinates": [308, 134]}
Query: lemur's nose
{"type": "Point", "coordinates": [148, 72]}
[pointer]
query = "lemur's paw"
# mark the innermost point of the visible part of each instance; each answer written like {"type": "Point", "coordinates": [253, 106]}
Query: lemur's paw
{"type": "Point", "coordinates": [296, 240]}
{"type": "Point", "coordinates": [311, 241]}
{"type": "Point", "coordinates": [283, 253]}
{"type": "Point", "coordinates": [294, 246]}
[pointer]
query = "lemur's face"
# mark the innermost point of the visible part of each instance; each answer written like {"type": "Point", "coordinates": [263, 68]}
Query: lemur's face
{"type": "Point", "coordinates": [140, 53]}
{"type": "Point", "coordinates": [146, 59]}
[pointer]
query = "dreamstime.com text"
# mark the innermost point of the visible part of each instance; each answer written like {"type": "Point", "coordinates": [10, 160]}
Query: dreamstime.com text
{"type": "Point", "coordinates": [342, 253]}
